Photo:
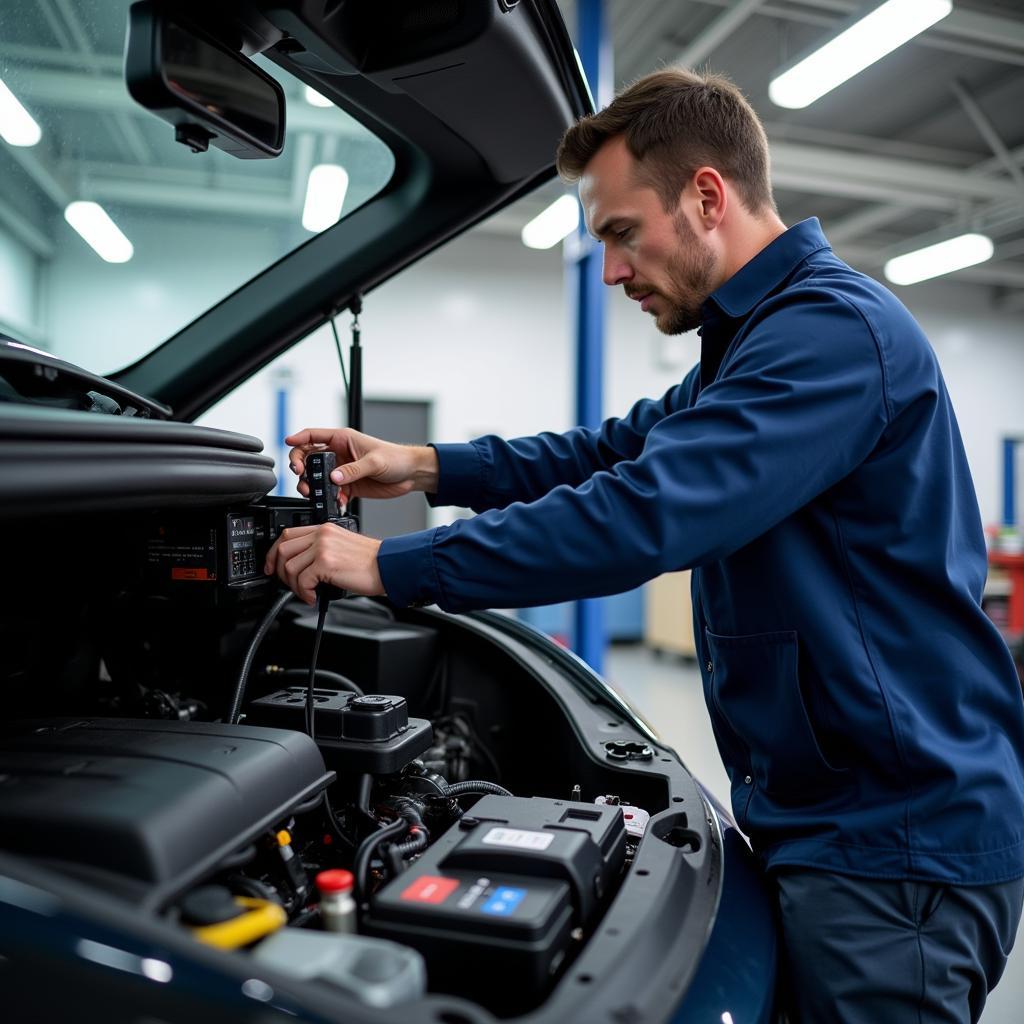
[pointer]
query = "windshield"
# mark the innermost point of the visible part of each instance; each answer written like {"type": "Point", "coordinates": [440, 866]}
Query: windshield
{"type": "Point", "coordinates": [198, 225]}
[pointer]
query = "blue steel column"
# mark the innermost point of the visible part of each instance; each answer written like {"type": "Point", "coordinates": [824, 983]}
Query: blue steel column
{"type": "Point", "coordinates": [1009, 481]}
{"type": "Point", "coordinates": [595, 51]}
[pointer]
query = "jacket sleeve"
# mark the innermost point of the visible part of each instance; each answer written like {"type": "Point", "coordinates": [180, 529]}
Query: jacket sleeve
{"type": "Point", "coordinates": [798, 405]}
{"type": "Point", "coordinates": [491, 473]}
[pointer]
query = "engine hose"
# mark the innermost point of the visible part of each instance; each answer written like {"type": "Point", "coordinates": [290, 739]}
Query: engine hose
{"type": "Point", "coordinates": [364, 855]}
{"type": "Point", "coordinates": [462, 788]}
{"type": "Point", "coordinates": [323, 675]}
{"type": "Point", "coordinates": [398, 852]}
{"type": "Point", "coordinates": [250, 654]}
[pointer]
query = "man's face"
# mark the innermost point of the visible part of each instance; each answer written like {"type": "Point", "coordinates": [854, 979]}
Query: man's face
{"type": "Point", "coordinates": [654, 254]}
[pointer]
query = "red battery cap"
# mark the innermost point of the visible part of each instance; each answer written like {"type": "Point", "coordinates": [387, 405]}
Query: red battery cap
{"type": "Point", "coordinates": [336, 880]}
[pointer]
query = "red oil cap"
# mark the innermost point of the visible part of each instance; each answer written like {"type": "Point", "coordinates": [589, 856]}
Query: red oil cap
{"type": "Point", "coordinates": [336, 880]}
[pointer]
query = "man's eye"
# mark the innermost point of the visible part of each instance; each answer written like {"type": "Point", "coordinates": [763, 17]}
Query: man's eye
{"type": "Point", "coordinates": [623, 233]}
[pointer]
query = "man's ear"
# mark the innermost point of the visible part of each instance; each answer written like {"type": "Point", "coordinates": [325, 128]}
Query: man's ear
{"type": "Point", "coordinates": [712, 197]}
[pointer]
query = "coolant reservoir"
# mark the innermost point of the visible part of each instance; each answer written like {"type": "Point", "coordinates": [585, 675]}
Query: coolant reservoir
{"type": "Point", "coordinates": [375, 971]}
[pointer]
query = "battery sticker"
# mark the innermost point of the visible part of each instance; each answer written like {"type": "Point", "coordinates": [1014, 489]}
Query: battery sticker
{"type": "Point", "coordinates": [519, 838]}
{"type": "Point", "coordinates": [430, 889]}
{"type": "Point", "coordinates": [504, 902]}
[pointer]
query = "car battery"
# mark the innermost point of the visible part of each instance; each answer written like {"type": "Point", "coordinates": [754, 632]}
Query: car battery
{"type": "Point", "coordinates": [493, 902]}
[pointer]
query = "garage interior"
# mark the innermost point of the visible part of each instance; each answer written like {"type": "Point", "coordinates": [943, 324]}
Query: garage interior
{"type": "Point", "coordinates": [925, 145]}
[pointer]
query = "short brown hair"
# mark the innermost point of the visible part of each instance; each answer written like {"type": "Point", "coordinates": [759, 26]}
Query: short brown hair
{"type": "Point", "coordinates": [675, 121]}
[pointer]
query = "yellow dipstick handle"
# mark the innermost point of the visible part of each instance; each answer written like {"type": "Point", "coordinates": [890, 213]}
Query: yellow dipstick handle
{"type": "Point", "coordinates": [261, 918]}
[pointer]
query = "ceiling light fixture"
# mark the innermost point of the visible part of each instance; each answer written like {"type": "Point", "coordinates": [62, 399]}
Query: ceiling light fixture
{"type": "Point", "coordinates": [93, 223]}
{"type": "Point", "coordinates": [17, 126]}
{"type": "Point", "coordinates": [549, 227]}
{"type": "Point", "coordinates": [316, 99]}
{"type": "Point", "coordinates": [325, 195]}
{"type": "Point", "coordinates": [868, 40]}
{"type": "Point", "coordinates": [942, 258]}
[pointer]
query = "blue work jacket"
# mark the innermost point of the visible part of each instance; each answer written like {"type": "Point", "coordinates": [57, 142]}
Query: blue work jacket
{"type": "Point", "coordinates": [811, 472]}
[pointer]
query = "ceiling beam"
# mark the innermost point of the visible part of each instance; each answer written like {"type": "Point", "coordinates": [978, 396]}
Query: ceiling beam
{"type": "Point", "coordinates": [723, 26]}
{"type": "Point", "coordinates": [52, 180]}
{"type": "Point", "coordinates": [21, 53]}
{"type": "Point", "coordinates": [988, 131]}
{"type": "Point", "coordinates": [157, 195]}
{"type": "Point", "coordinates": [108, 93]}
{"type": "Point", "coordinates": [863, 222]}
{"type": "Point", "coordinates": [907, 177]}
{"type": "Point", "coordinates": [24, 230]}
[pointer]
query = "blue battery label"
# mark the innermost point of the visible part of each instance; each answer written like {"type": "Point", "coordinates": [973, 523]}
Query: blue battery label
{"type": "Point", "coordinates": [504, 901]}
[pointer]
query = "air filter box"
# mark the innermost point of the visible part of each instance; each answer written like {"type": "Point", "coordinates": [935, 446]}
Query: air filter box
{"type": "Point", "coordinates": [493, 901]}
{"type": "Point", "coordinates": [381, 655]}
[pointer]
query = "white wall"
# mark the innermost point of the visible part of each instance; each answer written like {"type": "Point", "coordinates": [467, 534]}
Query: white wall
{"type": "Point", "coordinates": [19, 282]}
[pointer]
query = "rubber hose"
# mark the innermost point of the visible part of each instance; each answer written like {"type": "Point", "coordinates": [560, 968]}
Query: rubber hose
{"type": "Point", "coordinates": [325, 675]}
{"type": "Point", "coordinates": [361, 867]}
{"type": "Point", "coordinates": [250, 654]}
{"type": "Point", "coordinates": [461, 788]}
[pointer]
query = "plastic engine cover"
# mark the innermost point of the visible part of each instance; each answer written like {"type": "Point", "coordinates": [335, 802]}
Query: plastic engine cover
{"type": "Point", "coordinates": [151, 800]}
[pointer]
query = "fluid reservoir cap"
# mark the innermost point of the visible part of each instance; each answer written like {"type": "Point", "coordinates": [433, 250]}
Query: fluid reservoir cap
{"type": "Point", "coordinates": [370, 702]}
{"type": "Point", "coordinates": [209, 904]}
{"type": "Point", "coordinates": [284, 838]}
{"type": "Point", "coordinates": [374, 717]}
{"type": "Point", "coordinates": [336, 880]}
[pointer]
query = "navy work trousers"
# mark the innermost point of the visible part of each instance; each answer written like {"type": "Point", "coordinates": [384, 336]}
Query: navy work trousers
{"type": "Point", "coordinates": [868, 951]}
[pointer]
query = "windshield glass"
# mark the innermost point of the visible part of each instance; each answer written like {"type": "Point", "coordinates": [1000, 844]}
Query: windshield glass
{"type": "Point", "coordinates": [199, 224]}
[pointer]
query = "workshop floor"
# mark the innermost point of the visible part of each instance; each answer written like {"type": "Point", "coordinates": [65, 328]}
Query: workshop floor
{"type": "Point", "coordinates": [667, 692]}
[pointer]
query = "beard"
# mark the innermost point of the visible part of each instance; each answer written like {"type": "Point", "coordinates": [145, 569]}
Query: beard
{"type": "Point", "coordinates": [691, 272]}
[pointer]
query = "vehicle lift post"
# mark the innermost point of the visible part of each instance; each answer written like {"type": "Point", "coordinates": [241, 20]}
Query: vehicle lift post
{"type": "Point", "coordinates": [583, 258]}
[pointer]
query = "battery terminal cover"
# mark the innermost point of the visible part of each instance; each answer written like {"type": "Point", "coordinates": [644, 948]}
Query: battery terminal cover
{"type": "Point", "coordinates": [494, 907]}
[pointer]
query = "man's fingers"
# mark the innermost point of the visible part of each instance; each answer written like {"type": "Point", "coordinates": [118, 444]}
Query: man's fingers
{"type": "Point", "coordinates": [294, 567]}
{"type": "Point", "coordinates": [312, 435]}
{"type": "Point", "coordinates": [290, 542]}
{"type": "Point", "coordinates": [350, 472]}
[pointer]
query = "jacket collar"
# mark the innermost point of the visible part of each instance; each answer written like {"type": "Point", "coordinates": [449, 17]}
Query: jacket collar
{"type": "Point", "coordinates": [769, 268]}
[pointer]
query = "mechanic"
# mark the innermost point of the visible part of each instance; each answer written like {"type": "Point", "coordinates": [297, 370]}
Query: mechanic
{"type": "Point", "coordinates": [811, 472]}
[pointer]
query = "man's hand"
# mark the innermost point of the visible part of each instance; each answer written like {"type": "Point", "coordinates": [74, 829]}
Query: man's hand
{"type": "Point", "coordinates": [367, 466]}
{"type": "Point", "coordinates": [304, 556]}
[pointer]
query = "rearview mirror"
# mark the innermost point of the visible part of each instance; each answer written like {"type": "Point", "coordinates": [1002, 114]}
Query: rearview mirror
{"type": "Point", "coordinates": [212, 94]}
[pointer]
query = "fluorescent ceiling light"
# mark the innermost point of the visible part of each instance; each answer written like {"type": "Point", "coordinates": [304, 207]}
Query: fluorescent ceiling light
{"type": "Point", "coordinates": [878, 33]}
{"type": "Point", "coordinates": [561, 218]}
{"type": "Point", "coordinates": [17, 126]}
{"type": "Point", "coordinates": [943, 258]}
{"type": "Point", "coordinates": [317, 99]}
{"type": "Point", "coordinates": [325, 195]}
{"type": "Point", "coordinates": [93, 223]}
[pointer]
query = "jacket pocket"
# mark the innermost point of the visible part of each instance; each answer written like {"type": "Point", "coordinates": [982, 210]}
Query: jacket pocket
{"type": "Point", "coordinates": [756, 689]}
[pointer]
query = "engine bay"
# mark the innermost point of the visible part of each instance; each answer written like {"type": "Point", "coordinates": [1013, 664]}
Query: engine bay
{"type": "Point", "coordinates": [437, 811]}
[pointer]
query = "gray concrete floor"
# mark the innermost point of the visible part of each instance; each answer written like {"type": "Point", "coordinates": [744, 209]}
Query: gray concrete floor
{"type": "Point", "coordinates": [667, 692]}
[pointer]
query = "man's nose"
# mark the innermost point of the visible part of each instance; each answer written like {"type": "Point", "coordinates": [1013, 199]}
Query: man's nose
{"type": "Point", "coordinates": [616, 269]}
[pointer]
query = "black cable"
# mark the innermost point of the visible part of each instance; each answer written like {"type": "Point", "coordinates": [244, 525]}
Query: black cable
{"type": "Point", "coordinates": [250, 654]}
{"type": "Point", "coordinates": [324, 675]}
{"type": "Point", "coordinates": [464, 788]}
{"type": "Point", "coordinates": [332, 822]}
{"type": "Point", "coordinates": [323, 602]}
{"type": "Point", "coordinates": [398, 852]}
{"type": "Point", "coordinates": [341, 358]}
{"type": "Point", "coordinates": [364, 855]}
